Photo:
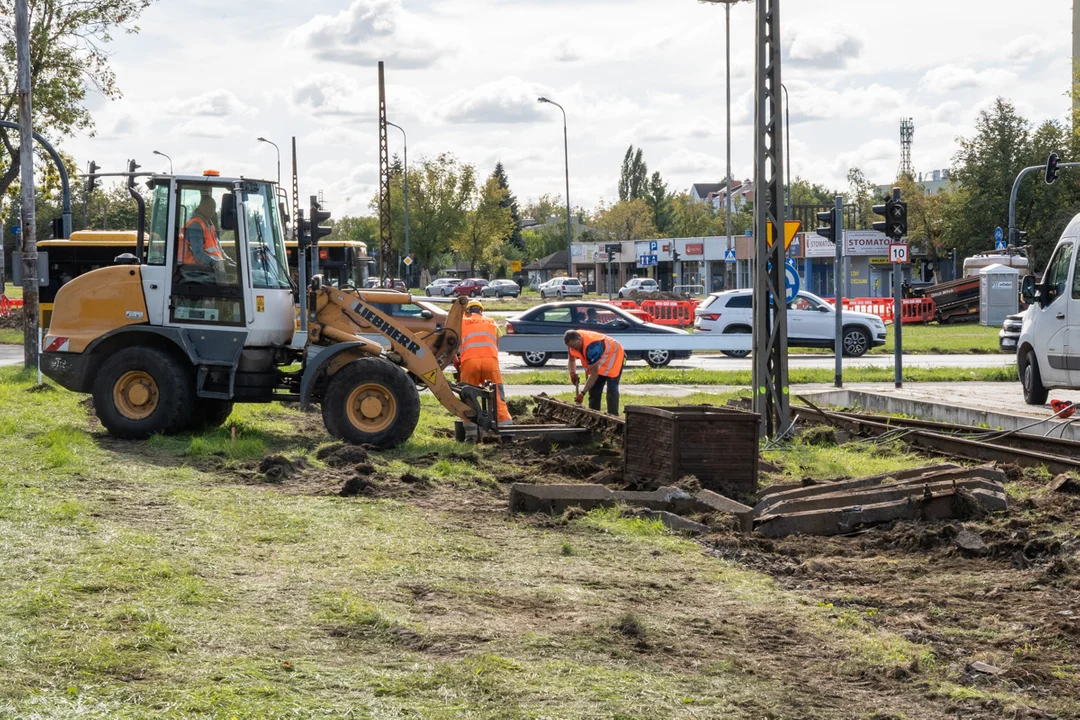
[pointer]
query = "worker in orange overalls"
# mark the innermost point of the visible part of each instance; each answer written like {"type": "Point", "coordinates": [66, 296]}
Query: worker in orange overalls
{"type": "Point", "coordinates": [198, 239]}
{"type": "Point", "coordinates": [603, 359]}
{"type": "Point", "coordinates": [478, 357]}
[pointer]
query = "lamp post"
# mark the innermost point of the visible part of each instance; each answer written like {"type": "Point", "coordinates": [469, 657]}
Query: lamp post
{"type": "Point", "coordinates": [158, 152]}
{"type": "Point", "coordinates": [566, 160]}
{"type": "Point", "coordinates": [262, 139]}
{"type": "Point", "coordinates": [405, 138]}
{"type": "Point", "coordinates": [727, 69]}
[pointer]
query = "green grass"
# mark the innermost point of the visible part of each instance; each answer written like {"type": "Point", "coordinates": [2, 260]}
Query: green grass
{"type": "Point", "coordinates": [13, 291]}
{"type": "Point", "coordinates": [11, 337]}
{"type": "Point", "coordinates": [959, 339]}
{"type": "Point", "coordinates": [155, 580]}
{"type": "Point", "coordinates": [796, 376]}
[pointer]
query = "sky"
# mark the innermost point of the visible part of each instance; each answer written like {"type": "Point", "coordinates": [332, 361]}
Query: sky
{"type": "Point", "coordinates": [204, 78]}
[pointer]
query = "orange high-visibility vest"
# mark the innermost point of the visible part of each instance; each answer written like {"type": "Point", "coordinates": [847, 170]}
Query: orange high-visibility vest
{"type": "Point", "coordinates": [610, 363]}
{"type": "Point", "coordinates": [210, 243]}
{"type": "Point", "coordinates": [479, 338]}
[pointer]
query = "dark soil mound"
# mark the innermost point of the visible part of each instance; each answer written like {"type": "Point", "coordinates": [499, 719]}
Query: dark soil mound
{"type": "Point", "coordinates": [342, 455]}
{"type": "Point", "coordinates": [278, 468]}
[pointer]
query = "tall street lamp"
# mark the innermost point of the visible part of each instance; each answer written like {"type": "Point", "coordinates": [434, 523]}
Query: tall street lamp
{"type": "Point", "coordinates": [408, 268]}
{"type": "Point", "coordinates": [262, 139]}
{"type": "Point", "coordinates": [566, 160]}
{"type": "Point", "coordinates": [158, 152]}
{"type": "Point", "coordinates": [727, 67]}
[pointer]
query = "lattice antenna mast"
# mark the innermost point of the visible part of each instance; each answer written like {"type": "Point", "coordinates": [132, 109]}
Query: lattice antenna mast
{"type": "Point", "coordinates": [907, 139]}
{"type": "Point", "coordinates": [384, 182]}
{"type": "Point", "coordinates": [770, 378]}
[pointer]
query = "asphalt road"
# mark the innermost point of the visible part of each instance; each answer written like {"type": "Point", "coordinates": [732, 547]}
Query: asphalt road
{"type": "Point", "coordinates": [511, 363]}
{"type": "Point", "coordinates": [11, 354]}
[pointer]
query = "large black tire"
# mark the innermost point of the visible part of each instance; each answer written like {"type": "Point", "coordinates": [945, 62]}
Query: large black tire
{"type": "Point", "coordinates": [210, 413]}
{"type": "Point", "coordinates": [535, 359]}
{"type": "Point", "coordinates": [856, 342]}
{"type": "Point", "coordinates": [142, 391]}
{"type": "Point", "coordinates": [737, 330]}
{"type": "Point", "coordinates": [371, 402]}
{"type": "Point", "coordinates": [657, 358]}
{"type": "Point", "coordinates": [1031, 379]}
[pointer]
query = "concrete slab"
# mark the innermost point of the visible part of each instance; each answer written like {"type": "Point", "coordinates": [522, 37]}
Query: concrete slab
{"type": "Point", "coordinates": [557, 498]}
{"type": "Point", "coordinates": [676, 522]}
{"type": "Point", "coordinates": [663, 498]}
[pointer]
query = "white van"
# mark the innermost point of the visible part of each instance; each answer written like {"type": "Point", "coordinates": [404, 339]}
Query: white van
{"type": "Point", "coordinates": [1048, 350]}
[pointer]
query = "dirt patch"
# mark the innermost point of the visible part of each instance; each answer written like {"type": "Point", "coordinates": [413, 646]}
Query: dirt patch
{"type": "Point", "coordinates": [338, 455]}
{"type": "Point", "coordinates": [41, 388]}
{"type": "Point", "coordinates": [278, 468]}
{"type": "Point", "coordinates": [11, 321]}
{"type": "Point", "coordinates": [359, 486]}
{"type": "Point", "coordinates": [638, 297]}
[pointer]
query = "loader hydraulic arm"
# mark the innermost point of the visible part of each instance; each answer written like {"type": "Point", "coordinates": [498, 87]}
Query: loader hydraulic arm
{"type": "Point", "coordinates": [338, 317]}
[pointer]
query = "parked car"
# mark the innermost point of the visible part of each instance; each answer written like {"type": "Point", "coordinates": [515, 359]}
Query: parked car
{"type": "Point", "coordinates": [562, 287]}
{"type": "Point", "coordinates": [471, 287]}
{"type": "Point", "coordinates": [443, 287]}
{"type": "Point", "coordinates": [558, 317]}
{"type": "Point", "coordinates": [1010, 333]}
{"type": "Point", "coordinates": [501, 288]}
{"type": "Point", "coordinates": [416, 315]}
{"type": "Point", "coordinates": [811, 322]}
{"type": "Point", "coordinates": [389, 284]}
{"type": "Point", "coordinates": [643, 285]}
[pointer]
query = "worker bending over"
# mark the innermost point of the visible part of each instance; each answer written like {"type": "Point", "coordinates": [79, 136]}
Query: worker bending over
{"type": "Point", "coordinates": [478, 357]}
{"type": "Point", "coordinates": [603, 359]}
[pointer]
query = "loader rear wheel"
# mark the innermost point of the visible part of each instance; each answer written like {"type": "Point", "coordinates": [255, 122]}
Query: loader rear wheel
{"type": "Point", "coordinates": [371, 402]}
{"type": "Point", "coordinates": [210, 413]}
{"type": "Point", "coordinates": [140, 391]}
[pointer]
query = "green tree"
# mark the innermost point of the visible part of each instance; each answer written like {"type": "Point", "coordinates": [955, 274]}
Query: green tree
{"type": "Point", "coordinates": [694, 219]}
{"type": "Point", "coordinates": [660, 201]}
{"type": "Point", "coordinates": [634, 177]}
{"type": "Point", "coordinates": [543, 240]}
{"type": "Point", "coordinates": [68, 57]}
{"type": "Point", "coordinates": [804, 192]}
{"type": "Point", "coordinates": [626, 220]}
{"type": "Point", "coordinates": [487, 226]}
{"type": "Point", "coordinates": [363, 229]}
{"type": "Point", "coordinates": [545, 207]}
{"type": "Point", "coordinates": [439, 194]}
{"type": "Point", "coordinates": [860, 194]}
{"type": "Point", "coordinates": [927, 219]}
{"type": "Point", "coordinates": [510, 202]}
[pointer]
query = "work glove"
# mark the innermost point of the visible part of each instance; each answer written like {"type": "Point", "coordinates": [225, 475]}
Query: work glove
{"type": "Point", "coordinates": [574, 378]}
{"type": "Point", "coordinates": [580, 398]}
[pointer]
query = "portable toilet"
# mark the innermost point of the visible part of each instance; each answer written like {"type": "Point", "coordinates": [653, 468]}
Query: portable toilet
{"type": "Point", "coordinates": [999, 294]}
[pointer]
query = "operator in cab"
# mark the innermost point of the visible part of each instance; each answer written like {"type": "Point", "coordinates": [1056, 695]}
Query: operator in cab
{"type": "Point", "coordinates": [478, 358]}
{"type": "Point", "coordinates": [603, 359]}
{"type": "Point", "coordinates": [199, 244]}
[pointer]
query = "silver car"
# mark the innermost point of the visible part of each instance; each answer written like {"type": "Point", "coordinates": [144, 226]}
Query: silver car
{"type": "Point", "coordinates": [642, 285]}
{"type": "Point", "coordinates": [501, 288]}
{"type": "Point", "coordinates": [443, 287]}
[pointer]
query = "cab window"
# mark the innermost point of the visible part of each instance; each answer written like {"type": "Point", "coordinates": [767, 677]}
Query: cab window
{"type": "Point", "coordinates": [206, 275]}
{"type": "Point", "coordinates": [159, 225]}
{"type": "Point", "coordinates": [1057, 272]}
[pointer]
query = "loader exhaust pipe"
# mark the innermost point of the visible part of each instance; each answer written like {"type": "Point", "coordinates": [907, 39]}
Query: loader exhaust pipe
{"type": "Point", "coordinates": [138, 198]}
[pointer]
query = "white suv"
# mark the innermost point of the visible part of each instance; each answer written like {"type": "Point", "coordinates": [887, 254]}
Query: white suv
{"type": "Point", "coordinates": [562, 287]}
{"type": "Point", "coordinates": [811, 322]}
{"type": "Point", "coordinates": [643, 285]}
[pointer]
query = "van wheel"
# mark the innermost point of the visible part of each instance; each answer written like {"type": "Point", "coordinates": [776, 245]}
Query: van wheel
{"type": "Point", "coordinates": [371, 402]}
{"type": "Point", "coordinates": [142, 391]}
{"type": "Point", "coordinates": [1031, 380]}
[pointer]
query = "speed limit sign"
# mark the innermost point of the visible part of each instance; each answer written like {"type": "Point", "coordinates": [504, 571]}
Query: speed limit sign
{"type": "Point", "coordinates": [898, 253]}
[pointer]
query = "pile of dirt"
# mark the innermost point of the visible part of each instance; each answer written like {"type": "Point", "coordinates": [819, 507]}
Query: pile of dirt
{"type": "Point", "coordinates": [638, 297]}
{"type": "Point", "coordinates": [338, 455]}
{"type": "Point", "coordinates": [11, 321]}
{"type": "Point", "coordinates": [278, 468]}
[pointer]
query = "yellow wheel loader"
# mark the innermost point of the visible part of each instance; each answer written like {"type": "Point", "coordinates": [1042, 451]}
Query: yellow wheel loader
{"type": "Point", "coordinates": [167, 339]}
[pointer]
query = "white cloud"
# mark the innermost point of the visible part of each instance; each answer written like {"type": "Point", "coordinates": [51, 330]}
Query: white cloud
{"type": "Point", "coordinates": [950, 78]}
{"type": "Point", "coordinates": [509, 100]}
{"type": "Point", "coordinates": [824, 46]}
{"type": "Point", "coordinates": [334, 95]}
{"type": "Point", "coordinates": [215, 103]}
{"type": "Point", "coordinates": [690, 162]}
{"type": "Point", "coordinates": [206, 127]}
{"type": "Point", "coordinates": [371, 30]}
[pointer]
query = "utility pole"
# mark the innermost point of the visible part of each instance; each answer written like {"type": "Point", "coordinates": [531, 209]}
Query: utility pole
{"type": "Point", "coordinates": [405, 178]}
{"type": "Point", "coordinates": [384, 184]}
{"type": "Point", "coordinates": [26, 157]}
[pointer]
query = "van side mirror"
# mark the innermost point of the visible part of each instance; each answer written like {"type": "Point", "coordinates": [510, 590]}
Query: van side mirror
{"type": "Point", "coordinates": [228, 211]}
{"type": "Point", "coordinates": [1027, 289]}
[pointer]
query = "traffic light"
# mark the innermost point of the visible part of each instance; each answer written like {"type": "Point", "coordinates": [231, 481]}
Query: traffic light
{"type": "Point", "coordinates": [1051, 168]}
{"type": "Point", "coordinates": [886, 212]}
{"type": "Point", "coordinates": [132, 167]}
{"type": "Point", "coordinates": [827, 224]}
{"type": "Point", "coordinates": [317, 218]}
{"type": "Point", "coordinates": [674, 254]}
{"type": "Point", "coordinates": [91, 181]}
{"type": "Point", "coordinates": [897, 219]}
{"type": "Point", "coordinates": [302, 239]}
{"type": "Point", "coordinates": [58, 228]}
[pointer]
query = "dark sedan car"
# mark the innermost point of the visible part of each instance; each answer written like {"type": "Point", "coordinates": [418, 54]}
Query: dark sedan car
{"type": "Point", "coordinates": [557, 318]}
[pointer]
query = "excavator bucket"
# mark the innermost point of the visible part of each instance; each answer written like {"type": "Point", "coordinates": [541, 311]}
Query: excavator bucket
{"type": "Point", "coordinates": [482, 401]}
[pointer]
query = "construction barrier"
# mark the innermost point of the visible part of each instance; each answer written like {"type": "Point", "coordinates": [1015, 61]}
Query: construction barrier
{"type": "Point", "coordinates": [918, 310]}
{"type": "Point", "coordinates": [9, 305]}
{"type": "Point", "coordinates": [679, 313]}
{"type": "Point", "coordinates": [913, 310]}
{"type": "Point", "coordinates": [624, 304]}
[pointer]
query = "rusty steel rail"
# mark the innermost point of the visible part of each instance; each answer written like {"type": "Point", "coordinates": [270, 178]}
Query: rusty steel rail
{"type": "Point", "coordinates": [942, 444]}
{"type": "Point", "coordinates": [551, 410]}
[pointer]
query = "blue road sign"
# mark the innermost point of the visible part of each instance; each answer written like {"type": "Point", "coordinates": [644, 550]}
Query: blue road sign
{"type": "Point", "coordinates": [1000, 245]}
{"type": "Point", "coordinates": [652, 248]}
{"type": "Point", "coordinates": [16, 229]}
{"type": "Point", "coordinates": [791, 281]}
{"type": "Point", "coordinates": [998, 234]}
{"type": "Point", "coordinates": [729, 256]}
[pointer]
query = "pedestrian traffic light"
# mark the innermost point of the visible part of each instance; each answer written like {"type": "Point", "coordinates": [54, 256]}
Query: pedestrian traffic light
{"type": "Point", "coordinates": [886, 212]}
{"type": "Point", "coordinates": [317, 218]}
{"type": "Point", "coordinates": [1051, 168]}
{"type": "Point", "coordinates": [91, 180]}
{"type": "Point", "coordinates": [302, 240]}
{"type": "Point", "coordinates": [674, 254]}
{"type": "Point", "coordinates": [827, 224]}
{"type": "Point", "coordinates": [898, 220]}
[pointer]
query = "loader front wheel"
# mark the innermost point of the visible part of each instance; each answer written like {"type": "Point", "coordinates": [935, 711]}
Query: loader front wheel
{"type": "Point", "coordinates": [140, 391]}
{"type": "Point", "coordinates": [371, 402]}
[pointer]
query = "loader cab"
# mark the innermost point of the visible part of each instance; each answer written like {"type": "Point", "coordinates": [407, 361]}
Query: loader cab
{"type": "Point", "coordinates": [215, 258]}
